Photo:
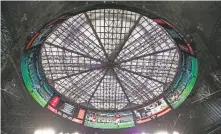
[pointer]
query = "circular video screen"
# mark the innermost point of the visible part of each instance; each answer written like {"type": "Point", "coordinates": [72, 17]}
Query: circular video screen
{"type": "Point", "coordinates": [109, 66]}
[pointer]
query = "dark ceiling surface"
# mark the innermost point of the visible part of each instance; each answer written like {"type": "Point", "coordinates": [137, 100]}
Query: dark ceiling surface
{"type": "Point", "coordinates": [198, 21]}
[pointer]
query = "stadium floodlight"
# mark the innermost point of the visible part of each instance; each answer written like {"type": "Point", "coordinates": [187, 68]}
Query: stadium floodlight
{"type": "Point", "coordinates": [38, 132]}
{"type": "Point", "coordinates": [44, 131]}
{"type": "Point", "coordinates": [175, 132]}
{"type": "Point", "coordinates": [162, 132]}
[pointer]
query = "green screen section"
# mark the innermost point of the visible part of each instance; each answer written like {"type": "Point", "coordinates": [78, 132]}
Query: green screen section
{"type": "Point", "coordinates": [185, 93]}
{"type": "Point", "coordinates": [27, 81]}
{"type": "Point", "coordinates": [194, 67]}
{"type": "Point", "coordinates": [109, 125]}
{"type": "Point", "coordinates": [189, 86]}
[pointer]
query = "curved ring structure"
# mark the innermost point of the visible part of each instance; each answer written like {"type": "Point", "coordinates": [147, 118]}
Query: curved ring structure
{"type": "Point", "coordinates": [109, 66]}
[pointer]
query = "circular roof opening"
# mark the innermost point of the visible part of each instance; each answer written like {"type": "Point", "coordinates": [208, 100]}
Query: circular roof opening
{"type": "Point", "coordinates": [110, 59]}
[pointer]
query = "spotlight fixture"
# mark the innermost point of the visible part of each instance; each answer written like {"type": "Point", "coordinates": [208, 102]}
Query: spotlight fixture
{"type": "Point", "coordinates": [45, 131]}
{"type": "Point", "coordinates": [162, 132]}
{"type": "Point", "coordinates": [175, 132]}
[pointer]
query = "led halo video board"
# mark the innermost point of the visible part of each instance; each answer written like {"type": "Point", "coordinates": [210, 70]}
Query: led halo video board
{"type": "Point", "coordinates": [43, 91]}
{"type": "Point", "coordinates": [182, 43]}
{"type": "Point", "coordinates": [109, 120]}
{"type": "Point", "coordinates": [185, 83]}
{"type": "Point", "coordinates": [31, 71]}
{"type": "Point", "coordinates": [37, 87]}
{"type": "Point", "coordinates": [35, 81]}
{"type": "Point", "coordinates": [66, 110]}
{"type": "Point", "coordinates": [151, 111]}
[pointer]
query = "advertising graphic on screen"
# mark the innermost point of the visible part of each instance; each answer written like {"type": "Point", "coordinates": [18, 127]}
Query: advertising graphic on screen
{"type": "Point", "coordinates": [81, 114]}
{"type": "Point", "coordinates": [66, 110]}
{"type": "Point", "coordinates": [151, 111]}
{"type": "Point", "coordinates": [185, 84]}
{"type": "Point", "coordinates": [106, 120]}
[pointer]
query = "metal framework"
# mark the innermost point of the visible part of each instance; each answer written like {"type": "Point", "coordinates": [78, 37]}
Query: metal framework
{"type": "Point", "coordinates": [110, 59]}
{"type": "Point", "coordinates": [217, 77]}
{"type": "Point", "coordinates": [6, 41]}
{"type": "Point", "coordinates": [16, 9]}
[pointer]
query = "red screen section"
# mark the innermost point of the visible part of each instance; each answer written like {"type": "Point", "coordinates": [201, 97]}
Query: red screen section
{"type": "Point", "coordinates": [77, 120]}
{"type": "Point", "coordinates": [31, 41]}
{"type": "Point", "coordinates": [142, 121]}
{"type": "Point", "coordinates": [161, 21]}
{"type": "Point", "coordinates": [164, 112]}
{"type": "Point", "coordinates": [183, 48]}
{"type": "Point", "coordinates": [55, 101]}
{"type": "Point", "coordinates": [81, 114]}
{"type": "Point", "coordinates": [52, 109]}
{"type": "Point", "coordinates": [190, 49]}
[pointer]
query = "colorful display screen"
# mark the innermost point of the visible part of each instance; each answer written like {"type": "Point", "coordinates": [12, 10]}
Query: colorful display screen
{"type": "Point", "coordinates": [107, 120]}
{"type": "Point", "coordinates": [185, 84]}
{"type": "Point", "coordinates": [42, 90]}
{"type": "Point", "coordinates": [35, 86]}
{"type": "Point", "coordinates": [66, 110]}
{"type": "Point", "coordinates": [179, 38]}
{"type": "Point", "coordinates": [151, 111]}
{"type": "Point", "coordinates": [39, 37]}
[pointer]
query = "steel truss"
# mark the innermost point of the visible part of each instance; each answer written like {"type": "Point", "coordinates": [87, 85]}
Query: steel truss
{"type": "Point", "coordinates": [110, 58]}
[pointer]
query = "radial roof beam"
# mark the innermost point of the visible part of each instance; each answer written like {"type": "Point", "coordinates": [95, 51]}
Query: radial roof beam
{"type": "Point", "coordinates": [122, 87]}
{"type": "Point", "coordinates": [49, 66]}
{"type": "Point", "coordinates": [147, 77]}
{"type": "Point", "coordinates": [72, 51]}
{"type": "Point", "coordinates": [88, 84]}
{"type": "Point", "coordinates": [102, 78]}
{"type": "Point", "coordinates": [68, 76]}
{"type": "Point", "coordinates": [120, 47]}
{"type": "Point", "coordinates": [145, 55]}
{"type": "Point", "coordinates": [133, 84]}
{"type": "Point", "coordinates": [95, 33]}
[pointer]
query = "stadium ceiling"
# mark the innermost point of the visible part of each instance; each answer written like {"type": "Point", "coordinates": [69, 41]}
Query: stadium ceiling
{"type": "Point", "coordinates": [110, 59]}
{"type": "Point", "coordinates": [200, 113]}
